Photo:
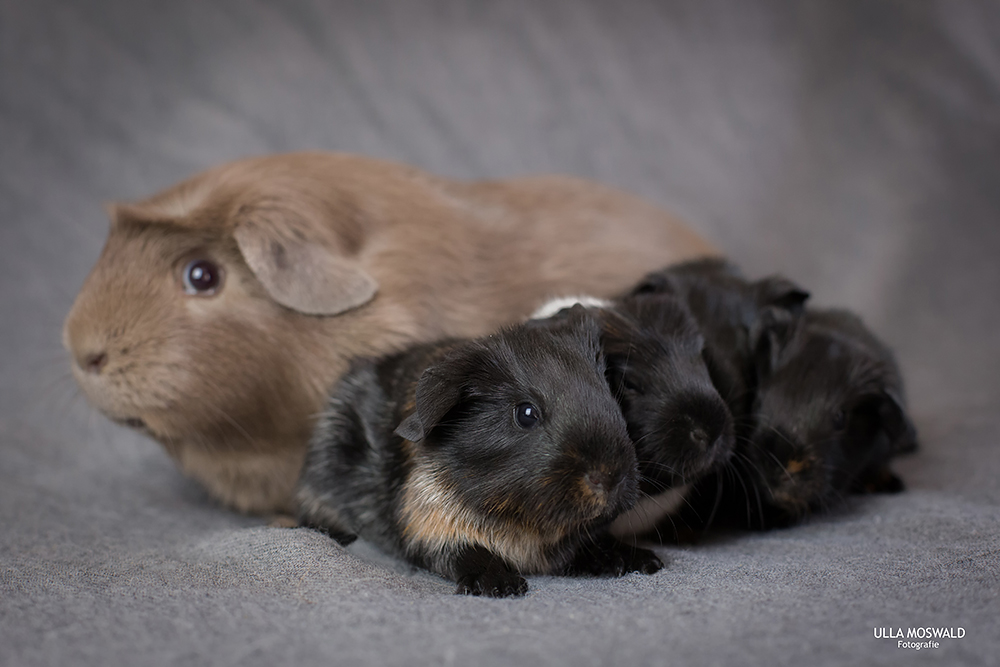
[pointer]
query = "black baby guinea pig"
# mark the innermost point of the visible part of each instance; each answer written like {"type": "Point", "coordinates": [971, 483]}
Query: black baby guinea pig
{"type": "Point", "coordinates": [830, 414]}
{"type": "Point", "coordinates": [817, 399]}
{"type": "Point", "coordinates": [481, 460]}
{"type": "Point", "coordinates": [680, 426]}
{"type": "Point", "coordinates": [733, 314]}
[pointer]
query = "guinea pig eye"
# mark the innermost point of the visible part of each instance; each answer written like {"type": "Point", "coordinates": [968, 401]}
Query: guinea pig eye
{"type": "Point", "coordinates": [839, 420]}
{"type": "Point", "coordinates": [527, 415]}
{"type": "Point", "coordinates": [201, 277]}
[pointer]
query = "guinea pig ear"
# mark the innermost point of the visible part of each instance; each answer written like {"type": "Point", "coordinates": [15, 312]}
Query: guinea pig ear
{"type": "Point", "coordinates": [439, 389]}
{"type": "Point", "coordinates": [654, 283]}
{"type": "Point", "coordinates": [586, 326]}
{"type": "Point", "coordinates": [772, 332]}
{"type": "Point", "coordinates": [780, 292]}
{"type": "Point", "coordinates": [296, 268]}
{"type": "Point", "coordinates": [896, 424]}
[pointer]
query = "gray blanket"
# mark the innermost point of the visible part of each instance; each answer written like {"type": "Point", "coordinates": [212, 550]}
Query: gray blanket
{"type": "Point", "coordinates": [854, 146]}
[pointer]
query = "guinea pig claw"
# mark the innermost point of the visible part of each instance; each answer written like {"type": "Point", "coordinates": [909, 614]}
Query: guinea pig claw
{"type": "Point", "coordinates": [647, 562]}
{"type": "Point", "coordinates": [493, 584]}
{"type": "Point", "coordinates": [634, 559]}
{"type": "Point", "coordinates": [614, 559]}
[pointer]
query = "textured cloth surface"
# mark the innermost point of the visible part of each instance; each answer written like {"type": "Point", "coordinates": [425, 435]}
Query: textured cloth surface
{"type": "Point", "coordinates": [854, 146]}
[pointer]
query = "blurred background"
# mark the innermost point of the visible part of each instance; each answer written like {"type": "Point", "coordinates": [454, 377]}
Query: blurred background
{"type": "Point", "coordinates": [853, 145]}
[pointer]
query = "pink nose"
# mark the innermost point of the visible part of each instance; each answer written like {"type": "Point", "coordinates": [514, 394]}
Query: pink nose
{"type": "Point", "coordinates": [599, 481]}
{"type": "Point", "coordinates": [93, 363]}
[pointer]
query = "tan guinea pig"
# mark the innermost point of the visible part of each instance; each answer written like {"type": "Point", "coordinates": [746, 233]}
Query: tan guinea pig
{"type": "Point", "coordinates": [223, 309]}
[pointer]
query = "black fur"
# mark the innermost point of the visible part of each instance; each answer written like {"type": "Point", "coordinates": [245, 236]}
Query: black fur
{"type": "Point", "coordinates": [738, 319]}
{"type": "Point", "coordinates": [790, 377]}
{"type": "Point", "coordinates": [830, 414]}
{"type": "Point", "coordinates": [455, 403]}
{"type": "Point", "coordinates": [679, 424]}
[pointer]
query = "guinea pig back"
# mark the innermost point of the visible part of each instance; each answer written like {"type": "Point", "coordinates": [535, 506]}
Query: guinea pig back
{"type": "Point", "coordinates": [222, 310]}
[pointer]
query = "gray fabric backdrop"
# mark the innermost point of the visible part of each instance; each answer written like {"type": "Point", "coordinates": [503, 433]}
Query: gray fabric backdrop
{"type": "Point", "coordinates": [853, 145]}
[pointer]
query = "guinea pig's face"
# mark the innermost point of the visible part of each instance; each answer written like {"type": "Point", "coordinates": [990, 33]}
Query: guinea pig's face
{"type": "Point", "coordinates": [166, 335]}
{"type": "Point", "coordinates": [203, 321]}
{"type": "Point", "coordinates": [680, 425]}
{"type": "Point", "coordinates": [532, 438]}
{"type": "Point", "coordinates": [823, 416]}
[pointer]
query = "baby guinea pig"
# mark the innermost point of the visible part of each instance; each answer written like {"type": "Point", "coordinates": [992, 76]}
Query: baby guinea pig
{"type": "Point", "coordinates": [678, 423]}
{"type": "Point", "coordinates": [830, 415]}
{"type": "Point", "coordinates": [481, 460]}
{"type": "Point", "coordinates": [730, 314]}
{"type": "Point", "coordinates": [817, 399]}
{"type": "Point", "coordinates": [735, 316]}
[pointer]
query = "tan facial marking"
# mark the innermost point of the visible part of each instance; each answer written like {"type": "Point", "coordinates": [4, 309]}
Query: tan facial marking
{"type": "Point", "coordinates": [796, 466]}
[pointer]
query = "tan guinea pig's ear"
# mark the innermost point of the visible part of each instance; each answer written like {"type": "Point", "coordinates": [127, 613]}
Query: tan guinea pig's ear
{"type": "Point", "coordinates": [299, 271]}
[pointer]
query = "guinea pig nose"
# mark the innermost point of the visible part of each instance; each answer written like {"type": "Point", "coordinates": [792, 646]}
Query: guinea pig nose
{"type": "Point", "coordinates": [599, 481]}
{"type": "Point", "coordinates": [699, 438]}
{"type": "Point", "coordinates": [94, 362]}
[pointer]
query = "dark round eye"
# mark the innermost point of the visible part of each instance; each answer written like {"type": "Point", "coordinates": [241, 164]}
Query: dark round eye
{"type": "Point", "coordinates": [201, 277]}
{"type": "Point", "coordinates": [527, 415]}
{"type": "Point", "coordinates": [839, 420]}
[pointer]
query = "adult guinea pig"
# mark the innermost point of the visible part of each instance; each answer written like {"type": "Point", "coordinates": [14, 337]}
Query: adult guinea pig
{"type": "Point", "coordinates": [830, 415]}
{"type": "Point", "coordinates": [509, 457]}
{"type": "Point", "coordinates": [223, 309]}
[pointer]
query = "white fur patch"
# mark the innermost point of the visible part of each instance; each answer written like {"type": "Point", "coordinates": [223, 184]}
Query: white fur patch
{"type": "Point", "coordinates": [648, 512]}
{"type": "Point", "coordinates": [553, 306]}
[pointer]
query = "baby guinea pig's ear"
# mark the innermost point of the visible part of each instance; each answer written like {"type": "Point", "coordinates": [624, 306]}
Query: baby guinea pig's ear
{"type": "Point", "coordinates": [438, 391]}
{"type": "Point", "coordinates": [584, 327]}
{"type": "Point", "coordinates": [896, 424]}
{"type": "Point", "coordinates": [660, 282]}
{"type": "Point", "coordinates": [291, 254]}
{"type": "Point", "coordinates": [780, 292]}
{"type": "Point", "coordinates": [770, 335]}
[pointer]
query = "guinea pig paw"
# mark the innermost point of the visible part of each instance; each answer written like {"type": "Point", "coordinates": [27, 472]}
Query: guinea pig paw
{"type": "Point", "coordinates": [615, 560]}
{"type": "Point", "coordinates": [645, 561]}
{"type": "Point", "coordinates": [493, 584]}
{"type": "Point", "coordinates": [282, 521]}
{"type": "Point", "coordinates": [880, 481]}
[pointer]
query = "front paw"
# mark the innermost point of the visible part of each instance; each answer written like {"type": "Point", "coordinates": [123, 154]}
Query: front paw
{"type": "Point", "coordinates": [881, 480]}
{"type": "Point", "coordinates": [643, 561]}
{"type": "Point", "coordinates": [614, 560]}
{"type": "Point", "coordinates": [282, 521]}
{"type": "Point", "coordinates": [341, 537]}
{"type": "Point", "coordinates": [493, 584]}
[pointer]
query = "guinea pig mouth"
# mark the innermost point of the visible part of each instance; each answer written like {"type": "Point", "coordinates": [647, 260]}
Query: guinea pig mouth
{"type": "Point", "coordinates": [134, 423]}
{"type": "Point", "coordinates": [611, 495]}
